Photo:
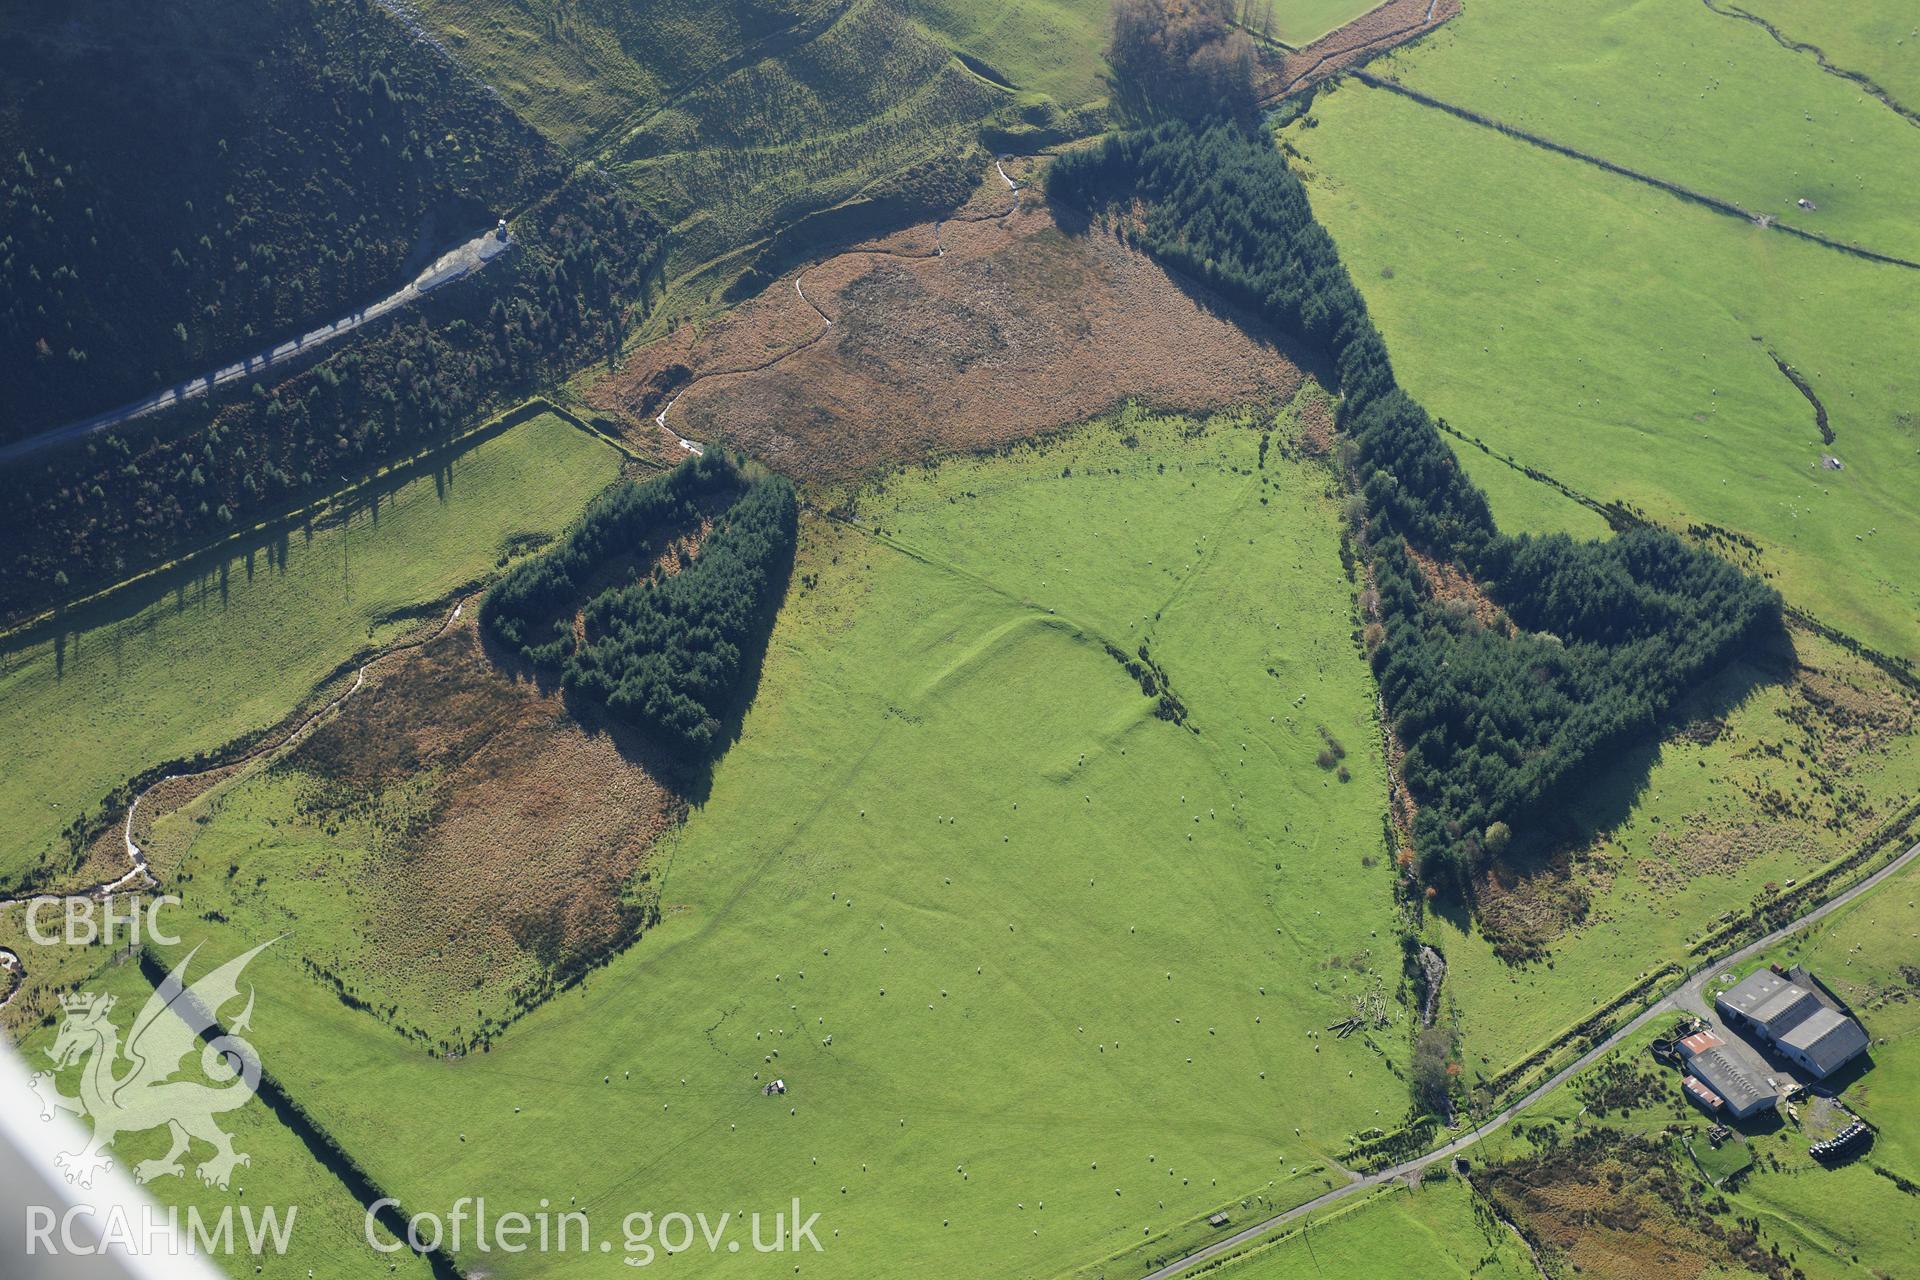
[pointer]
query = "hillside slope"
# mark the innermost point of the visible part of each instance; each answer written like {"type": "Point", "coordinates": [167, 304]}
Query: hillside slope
{"type": "Point", "coordinates": [182, 182]}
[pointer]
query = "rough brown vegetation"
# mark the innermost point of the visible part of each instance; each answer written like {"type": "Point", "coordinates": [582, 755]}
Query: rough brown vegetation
{"type": "Point", "coordinates": [990, 326]}
{"type": "Point", "coordinates": [1524, 910]}
{"type": "Point", "coordinates": [1184, 56]}
{"type": "Point", "coordinates": [1454, 586]}
{"type": "Point", "coordinates": [510, 834]}
{"type": "Point", "coordinates": [1835, 715]}
{"type": "Point", "coordinates": [1373, 32]}
{"type": "Point", "coordinates": [1704, 847]}
{"type": "Point", "coordinates": [1617, 1205]}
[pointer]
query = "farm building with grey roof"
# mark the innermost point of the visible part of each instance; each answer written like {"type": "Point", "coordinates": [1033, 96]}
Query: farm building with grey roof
{"type": "Point", "coordinates": [1716, 1079]}
{"type": "Point", "coordinates": [1795, 1021]}
{"type": "Point", "coordinates": [1823, 1042]}
{"type": "Point", "coordinates": [1720, 1072]}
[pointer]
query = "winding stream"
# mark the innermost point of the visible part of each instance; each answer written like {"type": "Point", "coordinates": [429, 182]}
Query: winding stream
{"type": "Point", "coordinates": [138, 872]}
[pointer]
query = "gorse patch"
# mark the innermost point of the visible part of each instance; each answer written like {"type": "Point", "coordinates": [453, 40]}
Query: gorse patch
{"type": "Point", "coordinates": [668, 652]}
{"type": "Point", "coordinates": [1600, 639]}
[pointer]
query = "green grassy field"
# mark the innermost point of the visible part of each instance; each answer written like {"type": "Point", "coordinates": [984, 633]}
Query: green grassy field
{"type": "Point", "coordinates": [328, 1224]}
{"type": "Point", "coordinates": [1436, 1231]}
{"type": "Point", "coordinates": [1685, 94]}
{"type": "Point", "coordinates": [576, 71]}
{"type": "Point", "coordinates": [579, 74]}
{"type": "Point", "coordinates": [1847, 1221]}
{"type": "Point", "coordinates": [1878, 40]}
{"type": "Point", "coordinates": [739, 157]}
{"type": "Point", "coordinates": [1618, 339]}
{"type": "Point", "coordinates": [232, 643]}
{"type": "Point", "coordinates": [1018, 942]}
{"type": "Point", "coordinates": [1300, 21]}
{"type": "Point", "coordinates": [328, 879]}
{"type": "Point", "coordinates": [1525, 505]}
{"type": "Point", "coordinates": [1052, 47]}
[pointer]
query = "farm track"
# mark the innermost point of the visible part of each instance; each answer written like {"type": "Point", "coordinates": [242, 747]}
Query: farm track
{"type": "Point", "coordinates": [761, 366]}
{"type": "Point", "coordinates": [1871, 87]}
{"type": "Point", "coordinates": [1689, 996]}
{"type": "Point", "coordinates": [1701, 198]}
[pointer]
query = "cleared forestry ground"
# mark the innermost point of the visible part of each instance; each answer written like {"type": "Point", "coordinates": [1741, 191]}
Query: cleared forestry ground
{"type": "Point", "coordinates": [233, 641]}
{"type": "Point", "coordinates": [1043, 970]}
{"type": "Point", "coordinates": [984, 328]}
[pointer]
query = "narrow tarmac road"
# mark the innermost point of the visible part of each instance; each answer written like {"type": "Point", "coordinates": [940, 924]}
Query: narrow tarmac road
{"type": "Point", "coordinates": [450, 266]}
{"type": "Point", "coordinates": [1688, 997]}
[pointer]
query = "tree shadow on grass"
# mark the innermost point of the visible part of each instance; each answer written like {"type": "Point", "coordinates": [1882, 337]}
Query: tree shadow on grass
{"type": "Point", "coordinates": [1597, 801]}
{"type": "Point", "coordinates": [203, 578]}
{"type": "Point", "coordinates": [689, 776]}
{"type": "Point", "coordinates": [634, 746]}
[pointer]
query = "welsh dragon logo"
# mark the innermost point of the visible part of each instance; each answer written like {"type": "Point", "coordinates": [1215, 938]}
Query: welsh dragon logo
{"type": "Point", "coordinates": [130, 1089]}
